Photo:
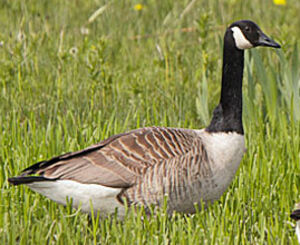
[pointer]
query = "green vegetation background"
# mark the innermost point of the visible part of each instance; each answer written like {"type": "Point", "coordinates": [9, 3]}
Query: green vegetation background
{"type": "Point", "coordinates": [66, 83]}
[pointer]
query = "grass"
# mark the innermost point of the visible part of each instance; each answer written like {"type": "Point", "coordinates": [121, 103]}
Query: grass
{"type": "Point", "coordinates": [63, 90]}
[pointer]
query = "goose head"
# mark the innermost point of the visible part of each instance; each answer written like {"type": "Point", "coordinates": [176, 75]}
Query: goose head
{"type": "Point", "coordinates": [296, 213]}
{"type": "Point", "coordinates": [246, 34]}
{"type": "Point", "coordinates": [296, 216]}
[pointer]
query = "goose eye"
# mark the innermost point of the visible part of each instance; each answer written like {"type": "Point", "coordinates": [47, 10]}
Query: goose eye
{"type": "Point", "coordinates": [247, 28]}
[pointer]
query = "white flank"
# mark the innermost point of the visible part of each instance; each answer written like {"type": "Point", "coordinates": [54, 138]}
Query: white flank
{"type": "Point", "coordinates": [103, 198]}
{"type": "Point", "coordinates": [298, 230]}
{"type": "Point", "coordinates": [240, 40]}
{"type": "Point", "coordinates": [225, 151]}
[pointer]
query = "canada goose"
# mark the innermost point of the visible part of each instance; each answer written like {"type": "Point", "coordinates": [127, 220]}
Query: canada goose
{"type": "Point", "coordinates": [296, 216]}
{"type": "Point", "coordinates": [142, 166]}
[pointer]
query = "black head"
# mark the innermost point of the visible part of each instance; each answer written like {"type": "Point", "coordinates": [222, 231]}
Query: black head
{"type": "Point", "coordinates": [246, 34]}
{"type": "Point", "coordinates": [296, 213]}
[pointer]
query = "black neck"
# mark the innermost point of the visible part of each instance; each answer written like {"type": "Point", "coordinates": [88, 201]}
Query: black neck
{"type": "Point", "coordinates": [227, 116]}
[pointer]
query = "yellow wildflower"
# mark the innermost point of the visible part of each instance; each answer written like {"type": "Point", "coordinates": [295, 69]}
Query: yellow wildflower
{"type": "Point", "coordinates": [280, 2]}
{"type": "Point", "coordinates": [138, 7]}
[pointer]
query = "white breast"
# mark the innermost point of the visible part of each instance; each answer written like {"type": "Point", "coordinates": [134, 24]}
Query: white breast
{"type": "Point", "coordinates": [103, 198]}
{"type": "Point", "coordinates": [225, 151]}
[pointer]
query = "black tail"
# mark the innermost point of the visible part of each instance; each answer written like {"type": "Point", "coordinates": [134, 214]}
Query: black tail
{"type": "Point", "coordinates": [296, 214]}
{"type": "Point", "coordinates": [27, 179]}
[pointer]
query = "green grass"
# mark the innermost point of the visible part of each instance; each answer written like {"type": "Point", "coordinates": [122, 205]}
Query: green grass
{"type": "Point", "coordinates": [140, 68]}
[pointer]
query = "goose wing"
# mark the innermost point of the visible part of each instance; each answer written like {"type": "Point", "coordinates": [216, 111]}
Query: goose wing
{"type": "Point", "coordinates": [115, 162]}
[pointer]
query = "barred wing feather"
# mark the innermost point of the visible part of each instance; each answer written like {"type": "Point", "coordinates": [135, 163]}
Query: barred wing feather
{"type": "Point", "coordinates": [118, 161]}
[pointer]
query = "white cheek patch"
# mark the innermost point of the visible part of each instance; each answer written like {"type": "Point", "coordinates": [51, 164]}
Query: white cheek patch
{"type": "Point", "coordinates": [240, 40]}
